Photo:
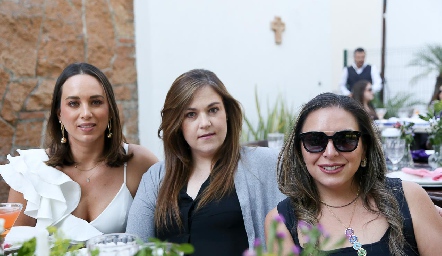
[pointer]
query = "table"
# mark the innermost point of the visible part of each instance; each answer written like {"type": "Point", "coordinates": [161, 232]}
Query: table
{"type": "Point", "coordinates": [420, 126]}
{"type": "Point", "coordinates": [435, 195]}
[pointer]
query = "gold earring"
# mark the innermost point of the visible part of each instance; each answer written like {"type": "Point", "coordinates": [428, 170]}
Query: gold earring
{"type": "Point", "coordinates": [109, 126]}
{"type": "Point", "coordinates": [63, 139]}
{"type": "Point", "coordinates": [364, 162]}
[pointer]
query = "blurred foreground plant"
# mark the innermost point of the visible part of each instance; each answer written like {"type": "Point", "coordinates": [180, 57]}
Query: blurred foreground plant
{"type": "Point", "coordinates": [61, 245]}
{"type": "Point", "coordinates": [433, 116]}
{"type": "Point", "coordinates": [160, 248]}
{"type": "Point", "coordinates": [313, 246]}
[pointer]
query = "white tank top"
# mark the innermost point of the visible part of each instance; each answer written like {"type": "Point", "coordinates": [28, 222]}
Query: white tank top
{"type": "Point", "coordinates": [114, 218]}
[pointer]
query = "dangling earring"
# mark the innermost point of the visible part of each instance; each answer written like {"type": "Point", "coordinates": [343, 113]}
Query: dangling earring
{"type": "Point", "coordinates": [364, 162]}
{"type": "Point", "coordinates": [109, 127]}
{"type": "Point", "coordinates": [63, 139]}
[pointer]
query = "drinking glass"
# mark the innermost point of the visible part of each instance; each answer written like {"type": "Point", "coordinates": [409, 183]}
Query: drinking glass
{"type": "Point", "coordinates": [394, 150]}
{"type": "Point", "coordinates": [113, 244]}
{"type": "Point", "coordinates": [9, 212]}
{"type": "Point", "coordinates": [275, 140]}
{"type": "Point", "coordinates": [161, 249]}
{"type": "Point", "coordinates": [380, 112]}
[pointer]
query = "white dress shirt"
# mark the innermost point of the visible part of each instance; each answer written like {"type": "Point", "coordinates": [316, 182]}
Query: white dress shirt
{"type": "Point", "coordinates": [375, 78]}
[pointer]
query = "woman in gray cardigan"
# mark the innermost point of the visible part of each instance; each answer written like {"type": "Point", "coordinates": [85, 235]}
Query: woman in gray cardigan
{"type": "Point", "coordinates": [209, 191]}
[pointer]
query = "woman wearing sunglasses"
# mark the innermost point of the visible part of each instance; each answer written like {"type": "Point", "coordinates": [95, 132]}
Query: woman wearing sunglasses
{"type": "Point", "coordinates": [363, 93]}
{"type": "Point", "coordinates": [332, 169]}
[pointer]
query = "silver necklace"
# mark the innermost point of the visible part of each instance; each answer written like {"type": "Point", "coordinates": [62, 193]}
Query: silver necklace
{"type": "Point", "coordinates": [349, 231]}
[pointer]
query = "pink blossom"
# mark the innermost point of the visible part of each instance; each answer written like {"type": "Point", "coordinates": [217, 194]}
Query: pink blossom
{"type": "Point", "coordinates": [304, 226]}
{"type": "Point", "coordinates": [279, 218]}
{"type": "Point", "coordinates": [280, 235]}
{"type": "Point", "coordinates": [257, 243]}
{"type": "Point", "coordinates": [296, 250]}
{"type": "Point", "coordinates": [249, 252]}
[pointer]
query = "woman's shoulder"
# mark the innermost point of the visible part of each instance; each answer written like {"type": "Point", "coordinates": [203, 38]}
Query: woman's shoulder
{"type": "Point", "coordinates": [156, 172]}
{"type": "Point", "coordinates": [259, 153]}
{"type": "Point", "coordinates": [142, 158]}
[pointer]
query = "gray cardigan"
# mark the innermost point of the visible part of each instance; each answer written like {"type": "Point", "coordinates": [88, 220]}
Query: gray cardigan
{"type": "Point", "coordinates": [255, 183]}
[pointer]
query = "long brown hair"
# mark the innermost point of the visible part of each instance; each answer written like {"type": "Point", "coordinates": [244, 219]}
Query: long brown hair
{"type": "Point", "coordinates": [358, 93]}
{"type": "Point", "coordinates": [177, 152]}
{"type": "Point", "coordinates": [435, 93]}
{"type": "Point", "coordinates": [60, 153]}
{"type": "Point", "coordinates": [296, 182]}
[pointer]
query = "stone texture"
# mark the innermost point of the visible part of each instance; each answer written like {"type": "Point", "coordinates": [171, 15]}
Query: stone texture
{"type": "Point", "coordinates": [124, 65]}
{"type": "Point", "coordinates": [4, 81]}
{"type": "Point", "coordinates": [124, 18]}
{"type": "Point", "coordinates": [39, 38]}
{"type": "Point", "coordinates": [28, 134]}
{"type": "Point", "coordinates": [40, 99]}
{"type": "Point", "coordinates": [15, 98]}
{"type": "Point", "coordinates": [6, 136]}
{"type": "Point", "coordinates": [18, 44]}
{"type": "Point", "coordinates": [101, 37]}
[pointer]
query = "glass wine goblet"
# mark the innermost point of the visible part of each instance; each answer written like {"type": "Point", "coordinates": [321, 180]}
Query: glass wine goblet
{"type": "Point", "coordinates": [394, 151]}
{"type": "Point", "coordinates": [9, 212]}
{"type": "Point", "coordinates": [380, 112]}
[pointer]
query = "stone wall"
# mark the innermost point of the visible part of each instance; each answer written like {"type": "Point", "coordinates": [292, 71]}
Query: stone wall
{"type": "Point", "coordinates": [39, 38]}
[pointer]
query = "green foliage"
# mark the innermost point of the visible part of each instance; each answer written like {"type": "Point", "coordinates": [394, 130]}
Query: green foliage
{"type": "Point", "coordinates": [280, 118]}
{"type": "Point", "coordinates": [406, 132]}
{"type": "Point", "coordinates": [63, 246]}
{"type": "Point", "coordinates": [60, 247]}
{"type": "Point", "coordinates": [430, 59]}
{"type": "Point", "coordinates": [433, 116]}
{"type": "Point", "coordinates": [159, 247]}
{"type": "Point", "coordinates": [28, 248]}
{"type": "Point", "coordinates": [400, 100]}
{"type": "Point", "coordinates": [313, 246]}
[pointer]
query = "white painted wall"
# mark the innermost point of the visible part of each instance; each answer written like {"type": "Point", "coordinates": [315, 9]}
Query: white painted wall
{"type": "Point", "coordinates": [234, 39]}
{"type": "Point", "coordinates": [355, 23]}
{"type": "Point", "coordinates": [413, 23]}
{"type": "Point", "coordinates": [410, 26]}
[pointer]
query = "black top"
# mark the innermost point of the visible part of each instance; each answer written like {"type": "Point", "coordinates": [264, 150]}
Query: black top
{"type": "Point", "coordinates": [215, 229]}
{"type": "Point", "coordinates": [353, 77]}
{"type": "Point", "coordinates": [378, 248]}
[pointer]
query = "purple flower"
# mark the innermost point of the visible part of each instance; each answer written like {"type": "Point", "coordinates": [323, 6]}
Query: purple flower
{"type": "Point", "coordinates": [280, 235]}
{"type": "Point", "coordinates": [304, 226]}
{"type": "Point", "coordinates": [249, 252]}
{"type": "Point", "coordinates": [296, 250]}
{"type": "Point", "coordinates": [256, 243]}
{"type": "Point", "coordinates": [321, 228]}
{"type": "Point", "coordinates": [279, 218]}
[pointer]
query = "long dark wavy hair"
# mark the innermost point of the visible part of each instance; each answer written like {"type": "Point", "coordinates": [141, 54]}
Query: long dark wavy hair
{"type": "Point", "coordinates": [358, 92]}
{"type": "Point", "coordinates": [296, 182]}
{"type": "Point", "coordinates": [60, 153]}
{"type": "Point", "coordinates": [436, 91]}
{"type": "Point", "coordinates": [178, 156]}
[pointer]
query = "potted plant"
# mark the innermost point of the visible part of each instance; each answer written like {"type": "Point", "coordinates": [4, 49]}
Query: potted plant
{"type": "Point", "coordinates": [279, 119]}
{"type": "Point", "coordinates": [430, 59]}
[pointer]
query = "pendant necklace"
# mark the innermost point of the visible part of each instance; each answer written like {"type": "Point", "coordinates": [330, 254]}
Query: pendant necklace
{"type": "Point", "coordinates": [349, 232]}
{"type": "Point", "coordinates": [88, 179]}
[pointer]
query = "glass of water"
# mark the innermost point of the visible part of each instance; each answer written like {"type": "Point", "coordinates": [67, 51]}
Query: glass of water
{"type": "Point", "coordinates": [120, 244]}
{"type": "Point", "coordinates": [394, 150]}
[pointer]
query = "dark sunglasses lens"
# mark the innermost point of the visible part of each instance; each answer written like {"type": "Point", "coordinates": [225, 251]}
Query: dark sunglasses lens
{"type": "Point", "coordinates": [346, 141]}
{"type": "Point", "coordinates": [315, 142]}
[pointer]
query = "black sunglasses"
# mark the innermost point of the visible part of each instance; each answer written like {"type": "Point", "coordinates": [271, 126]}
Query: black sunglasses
{"type": "Point", "coordinates": [344, 141]}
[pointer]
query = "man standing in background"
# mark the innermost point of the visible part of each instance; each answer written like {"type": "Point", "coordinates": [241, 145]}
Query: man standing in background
{"type": "Point", "coordinates": [359, 71]}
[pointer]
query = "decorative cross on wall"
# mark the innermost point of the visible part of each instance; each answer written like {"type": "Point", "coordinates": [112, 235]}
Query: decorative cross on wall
{"type": "Point", "coordinates": [278, 26]}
